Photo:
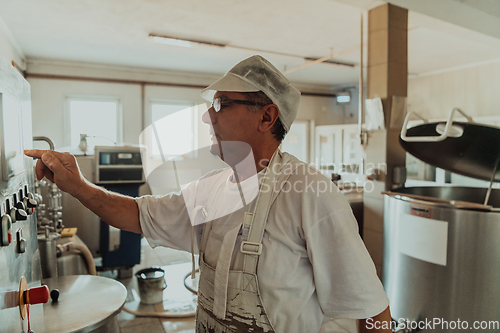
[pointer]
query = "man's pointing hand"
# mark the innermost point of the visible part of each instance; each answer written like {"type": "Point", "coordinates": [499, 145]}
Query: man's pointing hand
{"type": "Point", "coordinates": [60, 168]}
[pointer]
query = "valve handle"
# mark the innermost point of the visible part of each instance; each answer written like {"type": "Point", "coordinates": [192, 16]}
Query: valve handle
{"type": "Point", "coordinates": [36, 295]}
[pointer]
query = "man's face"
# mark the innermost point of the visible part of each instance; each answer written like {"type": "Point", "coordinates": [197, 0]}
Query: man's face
{"type": "Point", "coordinates": [232, 129]}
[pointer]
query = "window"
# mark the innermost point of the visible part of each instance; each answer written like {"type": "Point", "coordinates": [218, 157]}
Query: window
{"type": "Point", "coordinates": [176, 126]}
{"type": "Point", "coordinates": [98, 119]}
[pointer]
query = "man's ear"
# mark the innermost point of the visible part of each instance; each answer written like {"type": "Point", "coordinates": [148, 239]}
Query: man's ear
{"type": "Point", "coordinates": [270, 114]}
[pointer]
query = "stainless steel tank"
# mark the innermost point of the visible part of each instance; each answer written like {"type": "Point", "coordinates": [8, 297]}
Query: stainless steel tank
{"type": "Point", "coordinates": [441, 244]}
{"type": "Point", "coordinates": [442, 260]}
{"type": "Point", "coordinates": [47, 244]}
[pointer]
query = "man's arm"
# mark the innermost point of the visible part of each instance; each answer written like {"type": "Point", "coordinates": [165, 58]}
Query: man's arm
{"type": "Point", "coordinates": [378, 323]}
{"type": "Point", "coordinates": [118, 210]}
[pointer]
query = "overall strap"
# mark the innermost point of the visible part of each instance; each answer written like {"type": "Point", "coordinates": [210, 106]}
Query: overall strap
{"type": "Point", "coordinates": [252, 247]}
{"type": "Point", "coordinates": [224, 261]}
{"type": "Point", "coordinates": [221, 279]}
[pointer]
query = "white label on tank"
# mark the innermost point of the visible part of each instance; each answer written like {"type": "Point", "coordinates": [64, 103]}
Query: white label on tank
{"type": "Point", "coordinates": [423, 238]}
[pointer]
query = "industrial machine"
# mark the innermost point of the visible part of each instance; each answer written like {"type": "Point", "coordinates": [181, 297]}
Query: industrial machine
{"type": "Point", "coordinates": [441, 253]}
{"type": "Point", "coordinates": [24, 301]}
{"type": "Point", "coordinates": [119, 169]}
{"type": "Point", "coordinates": [19, 256]}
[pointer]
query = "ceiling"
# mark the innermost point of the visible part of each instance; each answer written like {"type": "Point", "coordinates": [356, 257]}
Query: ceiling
{"type": "Point", "coordinates": [115, 32]}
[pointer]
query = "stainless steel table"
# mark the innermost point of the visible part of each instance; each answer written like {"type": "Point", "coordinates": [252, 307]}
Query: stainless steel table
{"type": "Point", "coordinates": [86, 304]}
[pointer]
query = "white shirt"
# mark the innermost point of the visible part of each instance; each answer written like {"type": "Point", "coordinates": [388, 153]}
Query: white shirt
{"type": "Point", "coordinates": [313, 262]}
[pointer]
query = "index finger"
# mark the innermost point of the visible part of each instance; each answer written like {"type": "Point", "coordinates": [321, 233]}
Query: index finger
{"type": "Point", "coordinates": [37, 153]}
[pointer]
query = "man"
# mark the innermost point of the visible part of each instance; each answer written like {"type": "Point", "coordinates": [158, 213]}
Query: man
{"type": "Point", "coordinates": [276, 263]}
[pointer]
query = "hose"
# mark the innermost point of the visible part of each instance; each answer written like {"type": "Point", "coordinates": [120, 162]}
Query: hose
{"type": "Point", "coordinates": [165, 314]}
{"type": "Point", "coordinates": [84, 250]}
{"type": "Point", "coordinates": [81, 248]}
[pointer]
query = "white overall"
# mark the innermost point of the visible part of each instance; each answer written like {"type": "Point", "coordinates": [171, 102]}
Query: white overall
{"type": "Point", "coordinates": [229, 300]}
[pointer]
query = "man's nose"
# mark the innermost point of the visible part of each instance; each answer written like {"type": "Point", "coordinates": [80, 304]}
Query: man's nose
{"type": "Point", "coordinates": [206, 117]}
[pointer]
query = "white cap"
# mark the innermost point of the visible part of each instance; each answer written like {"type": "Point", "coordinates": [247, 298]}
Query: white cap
{"type": "Point", "coordinates": [258, 74]}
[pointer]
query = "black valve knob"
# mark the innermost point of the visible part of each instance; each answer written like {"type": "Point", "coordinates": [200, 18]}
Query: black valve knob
{"type": "Point", "coordinates": [5, 230]}
{"type": "Point", "coordinates": [18, 215]}
{"type": "Point", "coordinates": [20, 205]}
{"type": "Point", "coordinates": [29, 202]}
{"type": "Point", "coordinates": [12, 214]}
{"type": "Point", "coordinates": [21, 215]}
{"type": "Point", "coordinates": [21, 242]}
{"type": "Point", "coordinates": [54, 294]}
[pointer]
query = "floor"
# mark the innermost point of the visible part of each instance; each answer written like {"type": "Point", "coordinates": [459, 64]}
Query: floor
{"type": "Point", "coordinates": [177, 300]}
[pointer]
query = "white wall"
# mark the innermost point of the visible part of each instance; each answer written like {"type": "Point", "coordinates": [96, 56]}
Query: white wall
{"type": "Point", "coordinates": [475, 90]}
{"type": "Point", "coordinates": [9, 48]}
{"type": "Point", "coordinates": [329, 112]}
{"type": "Point", "coordinates": [48, 98]}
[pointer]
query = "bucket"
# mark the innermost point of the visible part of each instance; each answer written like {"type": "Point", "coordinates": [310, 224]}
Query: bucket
{"type": "Point", "coordinates": [151, 283]}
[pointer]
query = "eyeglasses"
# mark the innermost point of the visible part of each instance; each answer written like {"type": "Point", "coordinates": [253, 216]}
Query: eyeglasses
{"type": "Point", "coordinates": [218, 102]}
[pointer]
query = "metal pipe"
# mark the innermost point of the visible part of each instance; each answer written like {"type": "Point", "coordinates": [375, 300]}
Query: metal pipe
{"type": "Point", "coordinates": [318, 94]}
{"type": "Point", "coordinates": [333, 62]}
{"type": "Point", "coordinates": [46, 139]}
{"type": "Point", "coordinates": [323, 59]}
{"type": "Point", "coordinates": [488, 193]}
{"type": "Point", "coordinates": [152, 83]}
{"type": "Point", "coordinates": [361, 89]}
{"type": "Point", "coordinates": [106, 80]}
{"type": "Point", "coordinates": [143, 105]}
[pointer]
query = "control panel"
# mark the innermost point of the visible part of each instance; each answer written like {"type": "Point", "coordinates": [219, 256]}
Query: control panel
{"type": "Point", "coordinates": [20, 275]}
{"type": "Point", "coordinates": [16, 208]}
{"type": "Point", "coordinates": [12, 161]}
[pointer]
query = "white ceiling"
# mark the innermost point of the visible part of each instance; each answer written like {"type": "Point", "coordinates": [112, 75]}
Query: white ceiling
{"type": "Point", "coordinates": [116, 32]}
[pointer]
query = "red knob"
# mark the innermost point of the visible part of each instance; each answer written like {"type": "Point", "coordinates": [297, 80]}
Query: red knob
{"type": "Point", "coordinates": [36, 295]}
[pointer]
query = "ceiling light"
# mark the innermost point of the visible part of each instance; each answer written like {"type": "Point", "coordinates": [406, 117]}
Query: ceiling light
{"type": "Point", "coordinates": [180, 42]}
{"type": "Point", "coordinates": [343, 97]}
